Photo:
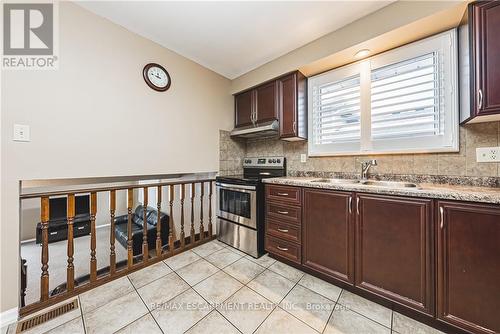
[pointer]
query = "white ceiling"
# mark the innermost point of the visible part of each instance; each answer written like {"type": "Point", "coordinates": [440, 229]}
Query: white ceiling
{"type": "Point", "coordinates": [232, 38]}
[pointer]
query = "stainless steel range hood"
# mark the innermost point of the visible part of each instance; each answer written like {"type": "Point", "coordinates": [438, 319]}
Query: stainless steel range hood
{"type": "Point", "coordinates": [268, 129]}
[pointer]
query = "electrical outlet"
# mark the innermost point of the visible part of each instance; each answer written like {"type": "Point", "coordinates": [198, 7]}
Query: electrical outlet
{"type": "Point", "coordinates": [488, 154]}
{"type": "Point", "coordinates": [303, 158]}
{"type": "Point", "coordinates": [21, 132]}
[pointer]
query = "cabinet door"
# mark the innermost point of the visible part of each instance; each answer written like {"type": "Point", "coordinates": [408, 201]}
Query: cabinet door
{"type": "Point", "coordinates": [266, 102]}
{"type": "Point", "coordinates": [394, 249]}
{"type": "Point", "coordinates": [287, 98]}
{"type": "Point", "coordinates": [243, 106]}
{"type": "Point", "coordinates": [327, 242]}
{"type": "Point", "coordinates": [469, 266]}
{"type": "Point", "coordinates": [484, 24]}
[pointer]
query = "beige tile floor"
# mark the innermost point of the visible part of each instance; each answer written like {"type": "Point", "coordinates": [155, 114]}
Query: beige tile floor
{"type": "Point", "coordinates": [217, 289]}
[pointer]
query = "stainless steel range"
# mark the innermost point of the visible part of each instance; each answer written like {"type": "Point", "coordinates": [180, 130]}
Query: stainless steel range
{"type": "Point", "coordinates": [240, 204]}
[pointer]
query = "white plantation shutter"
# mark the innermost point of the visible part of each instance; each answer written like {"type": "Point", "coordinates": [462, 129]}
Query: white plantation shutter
{"type": "Point", "coordinates": [336, 112]}
{"type": "Point", "coordinates": [402, 101]}
{"type": "Point", "coordinates": [407, 98]}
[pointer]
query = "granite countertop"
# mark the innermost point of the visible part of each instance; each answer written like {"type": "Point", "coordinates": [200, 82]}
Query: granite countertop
{"type": "Point", "coordinates": [426, 190]}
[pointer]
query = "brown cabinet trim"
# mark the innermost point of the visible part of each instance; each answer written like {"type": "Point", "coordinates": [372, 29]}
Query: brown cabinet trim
{"type": "Point", "coordinates": [258, 113]}
{"type": "Point", "coordinates": [283, 230]}
{"type": "Point", "coordinates": [442, 240]}
{"type": "Point", "coordinates": [432, 310]}
{"type": "Point", "coordinates": [286, 249]}
{"type": "Point", "coordinates": [284, 194]}
{"type": "Point", "coordinates": [427, 264]}
{"type": "Point", "coordinates": [347, 277]}
{"type": "Point", "coordinates": [284, 213]}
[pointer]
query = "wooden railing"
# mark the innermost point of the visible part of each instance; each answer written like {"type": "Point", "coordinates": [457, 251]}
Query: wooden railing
{"type": "Point", "coordinates": [116, 269]}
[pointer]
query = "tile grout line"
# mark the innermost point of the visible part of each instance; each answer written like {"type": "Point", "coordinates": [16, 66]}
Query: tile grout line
{"type": "Point", "coordinates": [81, 312]}
{"type": "Point", "coordinates": [147, 308]}
{"type": "Point", "coordinates": [364, 316]}
{"type": "Point", "coordinates": [243, 285]}
{"type": "Point", "coordinates": [265, 268]}
{"type": "Point", "coordinates": [214, 308]}
{"type": "Point", "coordinates": [331, 315]}
{"type": "Point", "coordinates": [392, 320]}
{"type": "Point", "coordinates": [277, 305]}
{"type": "Point", "coordinates": [335, 303]}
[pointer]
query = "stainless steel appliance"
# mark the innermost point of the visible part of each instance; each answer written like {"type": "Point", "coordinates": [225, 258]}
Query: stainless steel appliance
{"type": "Point", "coordinates": [240, 204]}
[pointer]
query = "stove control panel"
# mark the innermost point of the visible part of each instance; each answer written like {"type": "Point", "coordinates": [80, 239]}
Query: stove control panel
{"type": "Point", "coordinates": [266, 162]}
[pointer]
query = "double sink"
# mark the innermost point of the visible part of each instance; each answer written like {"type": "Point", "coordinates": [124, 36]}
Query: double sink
{"type": "Point", "coordinates": [373, 183]}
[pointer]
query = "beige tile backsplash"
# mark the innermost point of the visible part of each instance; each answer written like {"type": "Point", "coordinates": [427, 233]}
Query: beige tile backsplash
{"type": "Point", "coordinates": [462, 163]}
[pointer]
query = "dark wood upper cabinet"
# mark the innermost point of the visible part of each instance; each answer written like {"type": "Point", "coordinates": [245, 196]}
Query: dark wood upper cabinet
{"type": "Point", "coordinates": [328, 243]}
{"type": "Point", "coordinates": [394, 249]}
{"type": "Point", "coordinates": [283, 99]}
{"type": "Point", "coordinates": [244, 107]}
{"type": "Point", "coordinates": [266, 102]}
{"type": "Point", "coordinates": [484, 60]}
{"type": "Point", "coordinates": [292, 106]}
{"type": "Point", "coordinates": [468, 256]}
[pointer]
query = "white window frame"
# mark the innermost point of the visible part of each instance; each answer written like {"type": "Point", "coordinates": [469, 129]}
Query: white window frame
{"type": "Point", "coordinates": [446, 44]}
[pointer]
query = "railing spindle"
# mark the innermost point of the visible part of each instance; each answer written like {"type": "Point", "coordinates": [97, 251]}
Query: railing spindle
{"type": "Point", "coordinates": [193, 190]}
{"type": "Point", "coordinates": [206, 231]}
{"type": "Point", "coordinates": [171, 220]}
{"type": "Point", "coordinates": [112, 253]}
{"type": "Point", "coordinates": [182, 236]}
{"type": "Point", "coordinates": [70, 272]}
{"type": "Point", "coordinates": [44, 278]}
{"type": "Point", "coordinates": [93, 260]}
{"type": "Point", "coordinates": [130, 203]}
{"type": "Point", "coordinates": [202, 228]}
{"type": "Point", "coordinates": [145, 248]}
{"type": "Point", "coordinates": [210, 228]}
{"type": "Point", "coordinates": [158, 222]}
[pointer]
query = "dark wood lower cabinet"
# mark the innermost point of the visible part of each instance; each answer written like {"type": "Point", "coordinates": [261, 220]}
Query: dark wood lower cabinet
{"type": "Point", "coordinates": [328, 243]}
{"type": "Point", "coordinates": [435, 261]}
{"type": "Point", "coordinates": [394, 249]}
{"type": "Point", "coordinates": [468, 293]}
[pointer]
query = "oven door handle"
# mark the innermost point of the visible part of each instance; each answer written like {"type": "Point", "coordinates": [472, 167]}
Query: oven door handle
{"type": "Point", "coordinates": [235, 186]}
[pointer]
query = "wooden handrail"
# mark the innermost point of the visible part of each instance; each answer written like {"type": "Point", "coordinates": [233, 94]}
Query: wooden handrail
{"type": "Point", "coordinates": [164, 249]}
{"type": "Point", "coordinates": [109, 188]}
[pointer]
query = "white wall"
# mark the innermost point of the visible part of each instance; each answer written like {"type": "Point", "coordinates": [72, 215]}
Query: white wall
{"type": "Point", "coordinates": [95, 116]}
{"type": "Point", "coordinates": [317, 56]}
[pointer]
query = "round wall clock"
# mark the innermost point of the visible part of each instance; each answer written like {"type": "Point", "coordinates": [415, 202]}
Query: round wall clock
{"type": "Point", "coordinates": [156, 76]}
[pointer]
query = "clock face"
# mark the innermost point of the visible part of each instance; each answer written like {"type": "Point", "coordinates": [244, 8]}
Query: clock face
{"type": "Point", "coordinates": [156, 77]}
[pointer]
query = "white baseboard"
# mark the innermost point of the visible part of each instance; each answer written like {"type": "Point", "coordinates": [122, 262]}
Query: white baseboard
{"type": "Point", "coordinates": [8, 317]}
{"type": "Point", "coordinates": [103, 225]}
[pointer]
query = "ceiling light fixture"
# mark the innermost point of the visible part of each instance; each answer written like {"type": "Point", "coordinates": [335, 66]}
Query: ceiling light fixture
{"type": "Point", "coordinates": [362, 53]}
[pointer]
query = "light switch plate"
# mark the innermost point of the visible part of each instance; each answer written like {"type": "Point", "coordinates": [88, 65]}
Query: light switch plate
{"type": "Point", "coordinates": [21, 132]}
{"type": "Point", "coordinates": [303, 158]}
{"type": "Point", "coordinates": [488, 154]}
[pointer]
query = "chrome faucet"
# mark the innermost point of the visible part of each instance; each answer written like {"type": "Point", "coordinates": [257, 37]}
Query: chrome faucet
{"type": "Point", "coordinates": [365, 166]}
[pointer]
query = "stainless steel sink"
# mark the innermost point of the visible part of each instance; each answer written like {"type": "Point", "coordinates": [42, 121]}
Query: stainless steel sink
{"type": "Point", "coordinates": [336, 181]}
{"type": "Point", "coordinates": [389, 184]}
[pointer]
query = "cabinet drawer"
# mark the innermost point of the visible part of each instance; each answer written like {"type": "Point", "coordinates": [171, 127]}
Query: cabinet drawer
{"type": "Point", "coordinates": [283, 230]}
{"type": "Point", "coordinates": [283, 248]}
{"type": "Point", "coordinates": [282, 212]}
{"type": "Point", "coordinates": [284, 194]}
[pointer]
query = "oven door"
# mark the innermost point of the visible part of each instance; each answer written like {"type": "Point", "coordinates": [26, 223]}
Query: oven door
{"type": "Point", "coordinates": [237, 203]}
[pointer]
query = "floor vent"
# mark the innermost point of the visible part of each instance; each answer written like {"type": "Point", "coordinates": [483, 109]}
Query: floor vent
{"type": "Point", "coordinates": [24, 325]}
